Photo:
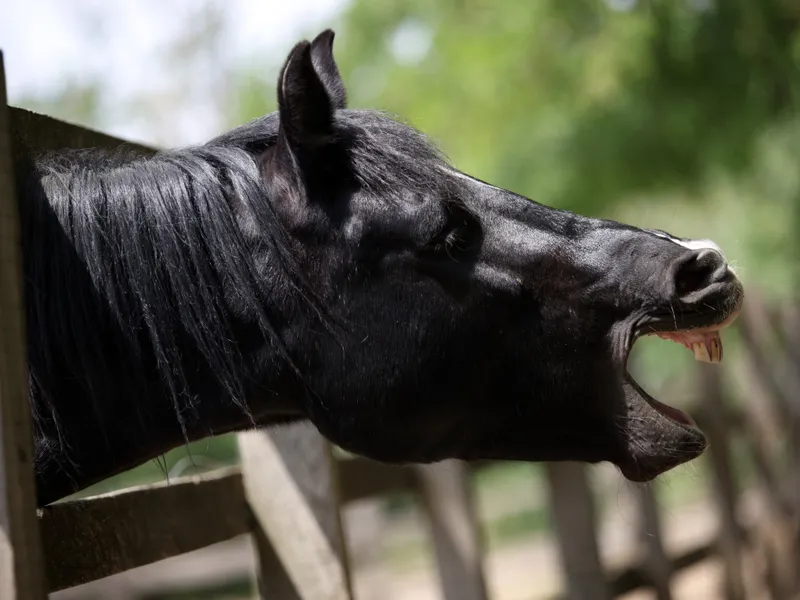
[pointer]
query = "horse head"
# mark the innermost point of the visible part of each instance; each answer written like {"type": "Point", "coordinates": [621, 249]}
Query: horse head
{"type": "Point", "coordinates": [469, 321]}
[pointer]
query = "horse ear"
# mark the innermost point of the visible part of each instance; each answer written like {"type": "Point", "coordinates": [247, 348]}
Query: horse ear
{"type": "Point", "coordinates": [305, 107]}
{"type": "Point", "coordinates": [325, 65]}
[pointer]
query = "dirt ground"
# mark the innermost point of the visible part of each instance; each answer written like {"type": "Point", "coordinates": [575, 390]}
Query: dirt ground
{"type": "Point", "coordinates": [528, 570]}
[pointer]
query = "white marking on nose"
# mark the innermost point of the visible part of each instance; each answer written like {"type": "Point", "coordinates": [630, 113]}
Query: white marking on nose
{"type": "Point", "coordinates": [699, 245]}
{"type": "Point", "coordinates": [694, 245]}
{"type": "Point", "coordinates": [689, 244]}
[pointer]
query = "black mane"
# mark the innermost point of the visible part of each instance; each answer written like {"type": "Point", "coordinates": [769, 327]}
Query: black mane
{"type": "Point", "coordinates": [157, 278]}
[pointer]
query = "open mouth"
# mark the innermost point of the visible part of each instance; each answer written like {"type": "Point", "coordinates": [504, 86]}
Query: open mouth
{"type": "Point", "coordinates": [704, 342]}
{"type": "Point", "coordinates": [660, 436]}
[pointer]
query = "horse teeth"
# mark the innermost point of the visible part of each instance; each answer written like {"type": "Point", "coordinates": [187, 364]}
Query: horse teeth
{"type": "Point", "coordinates": [701, 352]}
{"type": "Point", "coordinates": [716, 350]}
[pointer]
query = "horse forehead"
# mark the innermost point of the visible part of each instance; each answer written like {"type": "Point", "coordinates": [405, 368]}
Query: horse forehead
{"type": "Point", "coordinates": [689, 244]}
{"type": "Point", "coordinates": [702, 244]}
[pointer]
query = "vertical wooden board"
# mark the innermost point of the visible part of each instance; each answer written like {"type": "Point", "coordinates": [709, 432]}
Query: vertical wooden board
{"type": "Point", "coordinates": [574, 517]}
{"type": "Point", "coordinates": [656, 563]}
{"type": "Point", "coordinates": [449, 507]}
{"type": "Point", "coordinates": [272, 579]}
{"type": "Point", "coordinates": [790, 324]}
{"type": "Point", "coordinates": [725, 489]}
{"type": "Point", "coordinates": [21, 565]}
{"type": "Point", "coordinates": [291, 486]}
{"type": "Point", "coordinates": [775, 532]}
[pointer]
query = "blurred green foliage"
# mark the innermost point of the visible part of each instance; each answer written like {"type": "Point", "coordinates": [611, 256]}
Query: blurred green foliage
{"type": "Point", "coordinates": [580, 103]}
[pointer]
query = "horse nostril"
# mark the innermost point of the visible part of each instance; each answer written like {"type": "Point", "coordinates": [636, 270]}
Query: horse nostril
{"type": "Point", "coordinates": [705, 267]}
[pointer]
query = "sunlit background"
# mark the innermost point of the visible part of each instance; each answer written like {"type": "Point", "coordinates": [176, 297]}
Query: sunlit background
{"type": "Point", "coordinates": [679, 115]}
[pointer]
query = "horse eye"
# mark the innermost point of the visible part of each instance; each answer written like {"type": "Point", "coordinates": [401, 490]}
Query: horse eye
{"type": "Point", "coordinates": [458, 237]}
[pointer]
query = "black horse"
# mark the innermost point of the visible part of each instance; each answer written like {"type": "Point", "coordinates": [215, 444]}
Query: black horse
{"type": "Point", "coordinates": [328, 264]}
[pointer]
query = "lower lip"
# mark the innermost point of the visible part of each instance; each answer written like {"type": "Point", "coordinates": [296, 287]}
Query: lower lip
{"type": "Point", "coordinates": [672, 413]}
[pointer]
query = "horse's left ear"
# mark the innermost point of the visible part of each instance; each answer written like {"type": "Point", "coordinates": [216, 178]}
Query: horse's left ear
{"type": "Point", "coordinates": [325, 65]}
{"type": "Point", "coordinates": [310, 90]}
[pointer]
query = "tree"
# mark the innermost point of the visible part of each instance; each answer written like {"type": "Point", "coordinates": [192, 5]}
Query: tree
{"type": "Point", "coordinates": [628, 98]}
{"type": "Point", "coordinates": [601, 107]}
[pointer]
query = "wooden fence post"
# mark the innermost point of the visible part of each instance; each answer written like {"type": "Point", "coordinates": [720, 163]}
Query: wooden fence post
{"type": "Point", "coordinates": [791, 325]}
{"type": "Point", "coordinates": [291, 486]}
{"type": "Point", "coordinates": [725, 490]}
{"type": "Point", "coordinates": [448, 502]}
{"type": "Point", "coordinates": [656, 563]}
{"type": "Point", "coordinates": [21, 564]}
{"type": "Point", "coordinates": [775, 415]}
{"type": "Point", "coordinates": [773, 536]}
{"type": "Point", "coordinates": [575, 520]}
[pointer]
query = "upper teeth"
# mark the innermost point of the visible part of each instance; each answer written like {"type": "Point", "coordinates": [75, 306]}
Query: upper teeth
{"type": "Point", "coordinates": [707, 347]}
{"type": "Point", "coordinates": [716, 349]}
{"type": "Point", "coordinates": [701, 352]}
{"type": "Point", "coordinates": [708, 350]}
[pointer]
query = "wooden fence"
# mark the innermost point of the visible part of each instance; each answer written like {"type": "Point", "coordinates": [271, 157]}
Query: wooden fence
{"type": "Point", "coordinates": [288, 490]}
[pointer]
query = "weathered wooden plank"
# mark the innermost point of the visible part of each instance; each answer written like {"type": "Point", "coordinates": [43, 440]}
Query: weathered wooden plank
{"type": "Point", "coordinates": [291, 485]}
{"type": "Point", "coordinates": [33, 133]}
{"type": "Point", "coordinates": [774, 536]}
{"type": "Point", "coordinates": [725, 489]}
{"type": "Point", "coordinates": [773, 372]}
{"type": "Point", "coordinates": [755, 328]}
{"type": "Point", "coordinates": [656, 563]}
{"type": "Point", "coordinates": [228, 563]}
{"type": "Point", "coordinates": [272, 577]}
{"type": "Point", "coordinates": [21, 572]}
{"type": "Point", "coordinates": [635, 577]}
{"type": "Point", "coordinates": [457, 541]}
{"type": "Point", "coordinates": [790, 323]}
{"type": "Point", "coordinates": [361, 478]}
{"type": "Point", "coordinates": [574, 517]}
{"type": "Point", "coordinates": [96, 537]}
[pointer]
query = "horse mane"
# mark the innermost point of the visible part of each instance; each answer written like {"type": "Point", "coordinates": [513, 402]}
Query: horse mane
{"type": "Point", "coordinates": [149, 248]}
{"type": "Point", "coordinates": [387, 157]}
{"type": "Point", "coordinates": [148, 262]}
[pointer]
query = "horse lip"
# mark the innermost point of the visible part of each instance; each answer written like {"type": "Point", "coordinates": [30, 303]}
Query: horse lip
{"type": "Point", "coordinates": [707, 317]}
{"type": "Point", "coordinates": [698, 318]}
{"type": "Point", "coordinates": [668, 442]}
{"type": "Point", "coordinates": [656, 405]}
